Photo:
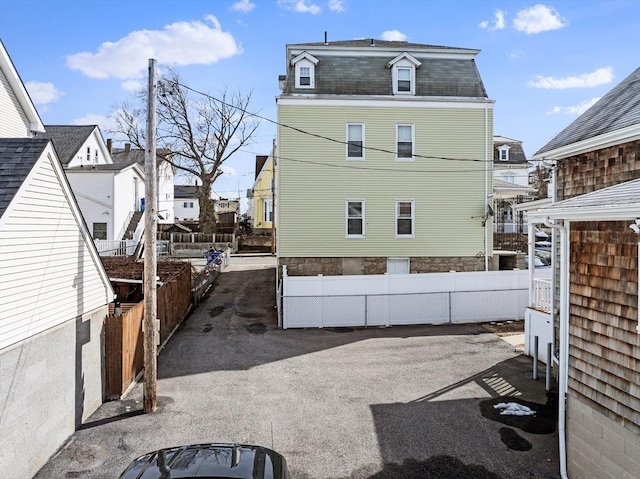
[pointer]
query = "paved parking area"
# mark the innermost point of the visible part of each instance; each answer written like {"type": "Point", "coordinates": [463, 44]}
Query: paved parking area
{"type": "Point", "coordinates": [402, 402]}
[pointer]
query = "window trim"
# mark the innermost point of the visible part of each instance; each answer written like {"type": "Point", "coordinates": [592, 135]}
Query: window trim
{"type": "Point", "coordinates": [413, 142]}
{"type": "Point", "coordinates": [267, 202]}
{"type": "Point", "coordinates": [346, 218]}
{"type": "Point", "coordinates": [413, 218]}
{"type": "Point", "coordinates": [354, 158]}
{"type": "Point", "coordinates": [503, 149]}
{"type": "Point", "coordinates": [106, 230]}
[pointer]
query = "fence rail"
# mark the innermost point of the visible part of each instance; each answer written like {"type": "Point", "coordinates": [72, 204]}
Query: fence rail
{"type": "Point", "coordinates": [196, 237]}
{"type": "Point", "coordinates": [541, 295]}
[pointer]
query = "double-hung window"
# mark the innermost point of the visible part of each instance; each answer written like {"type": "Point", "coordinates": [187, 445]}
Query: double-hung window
{"type": "Point", "coordinates": [404, 139]}
{"type": "Point", "coordinates": [355, 219]}
{"type": "Point", "coordinates": [268, 210]}
{"type": "Point", "coordinates": [405, 216]}
{"type": "Point", "coordinates": [404, 80]}
{"type": "Point", "coordinates": [355, 141]}
{"type": "Point", "coordinates": [305, 76]}
{"type": "Point", "coordinates": [100, 231]}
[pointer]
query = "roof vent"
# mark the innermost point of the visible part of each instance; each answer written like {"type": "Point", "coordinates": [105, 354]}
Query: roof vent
{"type": "Point", "coordinates": [373, 42]}
{"type": "Point", "coordinates": [326, 38]}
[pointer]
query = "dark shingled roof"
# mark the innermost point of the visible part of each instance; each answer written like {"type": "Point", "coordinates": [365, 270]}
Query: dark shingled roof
{"type": "Point", "coordinates": [516, 153]}
{"type": "Point", "coordinates": [17, 158]}
{"type": "Point", "coordinates": [353, 74]}
{"type": "Point", "coordinates": [105, 167]}
{"type": "Point", "coordinates": [185, 191]}
{"type": "Point", "coordinates": [121, 155]}
{"type": "Point", "coordinates": [67, 139]}
{"type": "Point", "coordinates": [618, 109]}
{"type": "Point", "coordinates": [380, 44]}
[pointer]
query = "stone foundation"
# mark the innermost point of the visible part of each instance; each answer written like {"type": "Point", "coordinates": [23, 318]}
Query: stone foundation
{"type": "Point", "coordinates": [377, 265]}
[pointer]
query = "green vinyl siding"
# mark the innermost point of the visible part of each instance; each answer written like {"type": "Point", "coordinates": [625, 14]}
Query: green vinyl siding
{"type": "Point", "coordinates": [315, 179]}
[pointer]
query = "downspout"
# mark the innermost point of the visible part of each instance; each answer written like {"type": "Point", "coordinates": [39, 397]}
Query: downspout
{"type": "Point", "coordinates": [563, 359]}
{"type": "Point", "coordinates": [487, 225]}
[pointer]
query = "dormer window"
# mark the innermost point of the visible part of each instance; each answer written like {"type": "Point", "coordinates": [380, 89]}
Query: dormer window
{"type": "Point", "coordinates": [403, 74]}
{"type": "Point", "coordinates": [503, 152]}
{"type": "Point", "coordinates": [305, 70]}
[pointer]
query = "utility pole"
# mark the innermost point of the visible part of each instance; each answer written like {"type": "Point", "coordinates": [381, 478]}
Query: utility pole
{"type": "Point", "coordinates": [273, 198]}
{"type": "Point", "coordinates": [150, 329]}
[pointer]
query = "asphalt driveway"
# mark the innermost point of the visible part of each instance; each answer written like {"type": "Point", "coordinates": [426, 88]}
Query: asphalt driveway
{"type": "Point", "coordinates": [402, 402]}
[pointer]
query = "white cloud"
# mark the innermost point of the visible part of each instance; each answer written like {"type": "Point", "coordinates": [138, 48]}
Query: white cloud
{"type": "Point", "coordinates": [393, 36]}
{"type": "Point", "coordinates": [578, 109]}
{"type": "Point", "coordinates": [244, 6]}
{"type": "Point", "coordinates": [300, 6]}
{"type": "Point", "coordinates": [178, 44]}
{"type": "Point", "coordinates": [601, 76]}
{"type": "Point", "coordinates": [513, 54]}
{"type": "Point", "coordinates": [227, 170]}
{"type": "Point", "coordinates": [537, 19]}
{"type": "Point", "coordinates": [105, 123]}
{"type": "Point", "coordinates": [499, 22]}
{"type": "Point", "coordinates": [336, 6]}
{"type": "Point", "coordinates": [42, 93]}
{"type": "Point", "coordinates": [133, 85]}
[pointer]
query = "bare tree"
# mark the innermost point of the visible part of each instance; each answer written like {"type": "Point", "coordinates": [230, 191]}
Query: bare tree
{"type": "Point", "coordinates": [194, 135]}
{"type": "Point", "coordinates": [539, 179]}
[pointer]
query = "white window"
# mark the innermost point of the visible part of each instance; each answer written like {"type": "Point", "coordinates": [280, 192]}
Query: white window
{"type": "Point", "coordinates": [404, 219]}
{"type": "Point", "coordinates": [355, 141]}
{"type": "Point", "coordinates": [404, 83]}
{"type": "Point", "coordinates": [398, 266]}
{"type": "Point", "coordinates": [305, 76]}
{"type": "Point", "coordinates": [509, 177]}
{"type": "Point", "coordinates": [504, 153]}
{"type": "Point", "coordinates": [268, 210]}
{"type": "Point", "coordinates": [100, 231]}
{"type": "Point", "coordinates": [88, 154]}
{"type": "Point", "coordinates": [355, 219]}
{"type": "Point", "coordinates": [404, 140]}
{"type": "Point", "coordinates": [187, 204]}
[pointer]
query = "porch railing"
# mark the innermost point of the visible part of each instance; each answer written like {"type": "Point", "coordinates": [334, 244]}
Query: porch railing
{"type": "Point", "coordinates": [115, 247]}
{"type": "Point", "coordinates": [541, 295]}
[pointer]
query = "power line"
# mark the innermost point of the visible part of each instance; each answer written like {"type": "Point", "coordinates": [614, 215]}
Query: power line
{"type": "Point", "coordinates": [323, 137]}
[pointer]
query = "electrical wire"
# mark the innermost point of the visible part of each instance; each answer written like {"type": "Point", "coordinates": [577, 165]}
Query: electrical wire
{"type": "Point", "coordinates": [323, 137]}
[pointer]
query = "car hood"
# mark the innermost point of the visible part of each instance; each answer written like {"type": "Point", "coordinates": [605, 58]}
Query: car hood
{"type": "Point", "coordinates": [231, 461]}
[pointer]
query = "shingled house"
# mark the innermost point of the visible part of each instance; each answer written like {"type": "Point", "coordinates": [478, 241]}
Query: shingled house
{"type": "Point", "coordinates": [388, 166]}
{"type": "Point", "coordinates": [597, 219]}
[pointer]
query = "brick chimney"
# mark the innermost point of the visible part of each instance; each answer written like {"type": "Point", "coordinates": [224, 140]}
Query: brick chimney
{"type": "Point", "coordinates": [109, 144]}
{"type": "Point", "coordinates": [127, 147]}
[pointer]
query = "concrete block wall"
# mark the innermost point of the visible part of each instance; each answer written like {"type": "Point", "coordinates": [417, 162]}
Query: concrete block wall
{"type": "Point", "coordinates": [49, 384]}
{"type": "Point", "coordinates": [599, 447]}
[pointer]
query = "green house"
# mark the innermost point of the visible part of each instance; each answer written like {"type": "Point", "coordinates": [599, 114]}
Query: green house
{"type": "Point", "coordinates": [384, 159]}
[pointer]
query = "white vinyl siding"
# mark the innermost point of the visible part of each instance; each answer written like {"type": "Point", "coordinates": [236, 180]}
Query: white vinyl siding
{"type": "Point", "coordinates": [355, 219]}
{"type": "Point", "coordinates": [310, 192]}
{"type": "Point", "coordinates": [355, 141]}
{"type": "Point", "coordinates": [14, 122]}
{"type": "Point", "coordinates": [47, 272]}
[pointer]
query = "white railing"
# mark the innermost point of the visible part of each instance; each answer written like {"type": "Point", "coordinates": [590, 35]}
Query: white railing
{"type": "Point", "coordinates": [112, 247]}
{"type": "Point", "coordinates": [541, 299]}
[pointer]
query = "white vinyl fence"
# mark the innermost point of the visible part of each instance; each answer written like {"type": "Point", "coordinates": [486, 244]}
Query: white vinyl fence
{"type": "Point", "coordinates": [396, 299]}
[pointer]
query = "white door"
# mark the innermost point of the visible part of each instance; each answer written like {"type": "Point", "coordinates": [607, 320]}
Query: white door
{"type": "Point", "coordinates": [397, 265]}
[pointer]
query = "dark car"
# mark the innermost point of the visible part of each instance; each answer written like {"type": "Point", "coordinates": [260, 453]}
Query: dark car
{"type": "Point", "coordinates": [228, 461]}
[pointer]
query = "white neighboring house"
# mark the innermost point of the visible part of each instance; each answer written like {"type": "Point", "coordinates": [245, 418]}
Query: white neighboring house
{"type": "Point", "coordinates": [186, 203]}
{"type": "Point", "coordinates": [510, 184]}
{"type": "Point", "coordinates": [111, 196]}
{"type": "Point", "coordinates": [18, 118]}
{"type": "Point", "coordinates": [165, 203]}
{"type": "Point", "coordinates": [54, 295]}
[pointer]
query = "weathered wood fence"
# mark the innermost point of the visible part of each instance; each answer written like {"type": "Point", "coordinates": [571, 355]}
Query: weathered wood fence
{"type": "Point", "coordinates": [124, 336]}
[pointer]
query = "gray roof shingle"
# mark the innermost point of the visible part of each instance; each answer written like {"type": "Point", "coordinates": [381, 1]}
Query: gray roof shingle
{"type": "Point", "coordinates": [67, 139]}
{"type": "Point", "coordinates": [122, 155]}
{"type": "Point", "coordinates": [618, 109]}
{"type": "Point", "coordinates": [627, 193]}
{"type": "Point", "coordinates": [516, 153]}
{"type": "Point", "coordinates": [185, 191]}
{"type": "Point", "coordinates": [353, 74]}
{"type": "Point", "coordinates": [17, 158]}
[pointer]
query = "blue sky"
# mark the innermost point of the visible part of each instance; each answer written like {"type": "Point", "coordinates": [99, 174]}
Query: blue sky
{"type": "Point", "coordinates": [543, 63]}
